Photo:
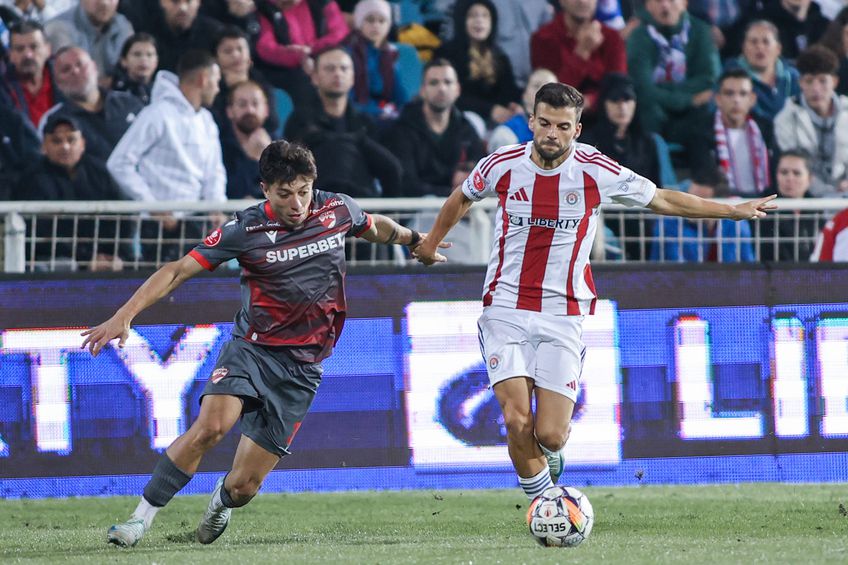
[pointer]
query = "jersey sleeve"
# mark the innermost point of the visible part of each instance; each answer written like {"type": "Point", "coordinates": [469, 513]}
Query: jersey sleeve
{"type": "Point", "coordinates": [479, 185]}
{"type": "Point", "coordinates": [222, 244]}
{"type": "Point", "coordinates": [360, 220]}
{"type": "Point", "coordinates": [626, 187]}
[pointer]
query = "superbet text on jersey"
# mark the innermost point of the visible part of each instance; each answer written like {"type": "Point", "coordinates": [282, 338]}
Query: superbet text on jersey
{"type": "Point", "coordinates": [546, 223]}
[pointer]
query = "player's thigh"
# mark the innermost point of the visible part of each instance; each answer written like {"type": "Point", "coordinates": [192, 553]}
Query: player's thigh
{"type": "Point", "coordinates": [553, 416]}
{"type": "Point", "coordinates": [515, 398]}
{"type": "Point", "coordinates": [218, 412]}
{"type": "Point", "coordinates": [252, 463]}
{"type": "Point", "coordinates": [505, 344]}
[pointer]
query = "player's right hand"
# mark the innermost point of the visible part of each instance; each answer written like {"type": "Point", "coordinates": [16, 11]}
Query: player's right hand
{"type": "Point", "coordinates": [98, 337]}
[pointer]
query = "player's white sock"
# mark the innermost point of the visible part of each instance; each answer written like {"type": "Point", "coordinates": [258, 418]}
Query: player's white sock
{"type": "Point", "coordinates": [146, 512]}
{"type": "Point", "coordinates": [537, 484]}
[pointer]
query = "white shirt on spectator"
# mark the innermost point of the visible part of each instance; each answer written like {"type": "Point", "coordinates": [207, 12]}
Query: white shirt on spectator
{"type": "Point", "coordinates": [171, 151]}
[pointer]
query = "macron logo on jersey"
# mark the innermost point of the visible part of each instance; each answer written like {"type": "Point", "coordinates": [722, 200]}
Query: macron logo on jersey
{"type": "Point", "coordinates": [308, 250]}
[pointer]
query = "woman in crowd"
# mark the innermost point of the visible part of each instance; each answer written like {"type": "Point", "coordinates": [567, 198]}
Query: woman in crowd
{"type": "Point", "coordinates": [774, 79]}
{"type": "Point", "coordinates": [485, 73]}
{"type": "Point", "coordinates": [136, 67]}
{"type": "Point", "coordinates": [377, 88]}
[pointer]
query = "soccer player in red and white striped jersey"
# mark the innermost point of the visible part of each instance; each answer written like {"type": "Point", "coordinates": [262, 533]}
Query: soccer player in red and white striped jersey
{"type": "Point", "coordinates": [539, 284]}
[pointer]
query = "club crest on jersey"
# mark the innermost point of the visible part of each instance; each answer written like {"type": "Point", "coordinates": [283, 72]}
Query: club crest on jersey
{"type": "Point", "coordinates": [494, 362]}
{"type": "Point", "coordinates": [328, 218]}
{"type": "Point", "coordinates": [213, 238]}
{"type": "Point", "coordinates": [479, 184]}
{"type": "Point", "coordinates": [219, 374]}
{"type": "Point", "coordinates": [572, 198]}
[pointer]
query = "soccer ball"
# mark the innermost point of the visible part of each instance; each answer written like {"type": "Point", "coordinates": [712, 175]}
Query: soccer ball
{"type": "Point", "coordinates": [560, 517]}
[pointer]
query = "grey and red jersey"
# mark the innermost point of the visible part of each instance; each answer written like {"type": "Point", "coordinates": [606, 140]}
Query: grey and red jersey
{"type": "Point", "coordinates": [292, 281]}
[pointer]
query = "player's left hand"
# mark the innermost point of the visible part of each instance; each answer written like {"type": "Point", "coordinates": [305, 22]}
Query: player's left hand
{"type": "Point", "coordinates": [428, 256]}
{"type": "Point", "coordinates": [753, 209]}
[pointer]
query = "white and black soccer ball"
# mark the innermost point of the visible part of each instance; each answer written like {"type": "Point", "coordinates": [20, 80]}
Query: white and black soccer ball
{"type": "Point", "coordinates": [560, 517]}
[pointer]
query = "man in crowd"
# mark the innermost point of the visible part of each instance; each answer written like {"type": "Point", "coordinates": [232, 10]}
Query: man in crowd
{"type": "Point", "coordinates": [432, 139]}
{"type": "Point", "coordinates": [349, 158]}
{"type": "Point", "coordinates": [97, 27]}
{"type": "Point", "coordinates": [173, 151]}
{"type": "Point", "coordinates": [181, 28]}
{"type": "Point", "coordinates": [243, 142]}
{"type": "Point", "coordinates": [28, 84]}
{"type": "Point", "coordinates": [103, 115]}
{"type": "Point", "coordinates": [817, 122]}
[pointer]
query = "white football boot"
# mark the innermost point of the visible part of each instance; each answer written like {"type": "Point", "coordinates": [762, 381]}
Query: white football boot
{"type": "Point", "coordinates": [216, 518]}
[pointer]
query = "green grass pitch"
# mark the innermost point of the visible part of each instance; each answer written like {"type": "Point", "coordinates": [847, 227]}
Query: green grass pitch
{"type": "Point", "coordinates": [751, 523]}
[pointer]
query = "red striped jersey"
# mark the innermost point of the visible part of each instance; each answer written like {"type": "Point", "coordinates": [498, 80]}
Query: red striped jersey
{"type": "Point", "coordinates": [832, 243]}
{"type": "Point", "coordinates": [292, 280]}
{"type": "Point", "coordinates": [546, 223]}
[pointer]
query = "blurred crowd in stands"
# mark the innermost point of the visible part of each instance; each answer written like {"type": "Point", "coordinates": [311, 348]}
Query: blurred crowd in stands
{"type": "Point", "coordinates": [156, 100]}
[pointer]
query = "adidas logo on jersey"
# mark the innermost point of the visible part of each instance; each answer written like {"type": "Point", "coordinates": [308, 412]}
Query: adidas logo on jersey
{"type": "Point", "coordinates": [519, 195]}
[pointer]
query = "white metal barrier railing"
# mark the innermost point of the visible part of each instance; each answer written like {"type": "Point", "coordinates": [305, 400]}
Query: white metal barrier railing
{"type": "Point", "coordinates": [73, 235]}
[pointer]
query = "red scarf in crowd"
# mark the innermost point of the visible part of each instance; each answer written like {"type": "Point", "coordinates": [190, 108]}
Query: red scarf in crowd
{"type": "Point", "coordinates": [756, 147]}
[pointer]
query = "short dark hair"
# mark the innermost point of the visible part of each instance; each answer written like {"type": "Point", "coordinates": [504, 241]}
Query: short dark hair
{"type": "Point", "coordinates": [799, 154]}
{"type": "Point", "coordinates": [192, 61]}
{"type": "Point", "coordinates": [712, 177]}
{"type": "Point", "coordinates": [321, 52]}
{"type": "Point", "coordinates": [282, 162]}
{"type": "Point", "coordinates": [232, 93]}
{"type": "Point", "coordinates": [817, 60]}
{"type": "Point", "coordinates": [25, 27]}
{"type": "Point", "coordinates": [559, 95]}
{"type": "Point", "coordinates": [734, 74]}
{"type": "Point", "coordinates": [140, 37]}
{"type": "Point", "coordinates": [436, 62]}
{"type": "Point", "coordinates": [230, 32]}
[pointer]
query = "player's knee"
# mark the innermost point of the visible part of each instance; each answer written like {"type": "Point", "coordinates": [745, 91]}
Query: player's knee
{"type": "Point", "coordinates": [208, 434]}
{"type": "Point", "coordinates": [553, 438]}
{"type": "Point", "coordinates": [519, 424]}
{"type": "Point", "coordinates": [242, 490]}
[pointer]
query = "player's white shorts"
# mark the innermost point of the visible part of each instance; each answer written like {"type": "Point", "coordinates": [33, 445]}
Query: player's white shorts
{"type": "Point", "coordinates": [520, 343]}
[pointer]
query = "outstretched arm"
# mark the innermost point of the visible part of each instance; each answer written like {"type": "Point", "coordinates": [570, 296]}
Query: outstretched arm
{"type": "Point", "coordinates": [675, 203]}
{"type": "Point", "coordinates": [386, 230]}
{"type": "Point", "coordinates": [160, 284]}
{"type": "Point", "coordinates": [454, 208]}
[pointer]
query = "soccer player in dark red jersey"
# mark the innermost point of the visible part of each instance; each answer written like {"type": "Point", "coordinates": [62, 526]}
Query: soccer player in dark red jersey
{"type": "Point", "coordinates": [291, 250]}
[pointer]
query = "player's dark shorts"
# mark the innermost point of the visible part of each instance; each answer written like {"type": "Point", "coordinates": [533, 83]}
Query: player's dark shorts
{"type": "Point", "coordinates": [277, 391]}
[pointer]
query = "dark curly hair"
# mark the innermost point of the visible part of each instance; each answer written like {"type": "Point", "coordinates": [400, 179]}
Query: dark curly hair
{"type": "Point", "coordinates": [282, 162]}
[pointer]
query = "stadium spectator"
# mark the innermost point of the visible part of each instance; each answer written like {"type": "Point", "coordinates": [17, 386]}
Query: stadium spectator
{"type": "Point", "coordinates": [520, 21]}
{"type": "Point", "coordinates": [172, 151]}
{"type": "Point", "coordinates": [103, 115]}
{"type": "Point", "coordinates": [741, 143]}
{"type": "Point", "coordinates": [817, 122]}
{"type": "Point", "coordinates": [618, 135]}
{"type": "Point", "coordinates": [517, 128]}
{"type": "Point", "coordinates": [836, 39]}
{"type": "Point", "coordinates": [790, 235]}
{"type": "Point", "coordinates": [19, 146]}
{"type": "Point", "coordinates": [709, 240]}
{"type": "Point", "coordinates": [432, 139]}
{"type": "Point", "coordinates": [377, 88]}
{"type": "Point", "coordinates": [579, 49]}
{"type": "Point", "coordinates": [348, 156]}
{"type": "Point", "coordinates": [180, 28]}
{"type": "Point", "coordinates": [800, 23]}
{"type": "Point", "coordinates": [775, 79]}
{"type": "Point", "coordinates": [97, 27]}
{"type": "Point", "coordinates": [239, 13]}
{"type": "Point", "coordinates": [144, 15]}
{"type": "Point", "coordinates": [28, 84]}
{"type": "Point", "coordinates": [138, 63]}
{"type": "Point", "coordinates": [727, 21]}
{"type": "Point", "coordinates": [674, 64]}
{"type": "Point", "coordinates": [36, 10]}
{"type": "Point", "coordinates": [67, 172]}
{"type": "Point", "coordinates": [232, 52]}
{"type": "Point", "coordinates": [244, 140]}
{"type": "Point", "coordinates": [290, 32]}
{"type": "Point", "coordinates": [487, 85]}
{"type": "Point", "coordinates": [832, 242]}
